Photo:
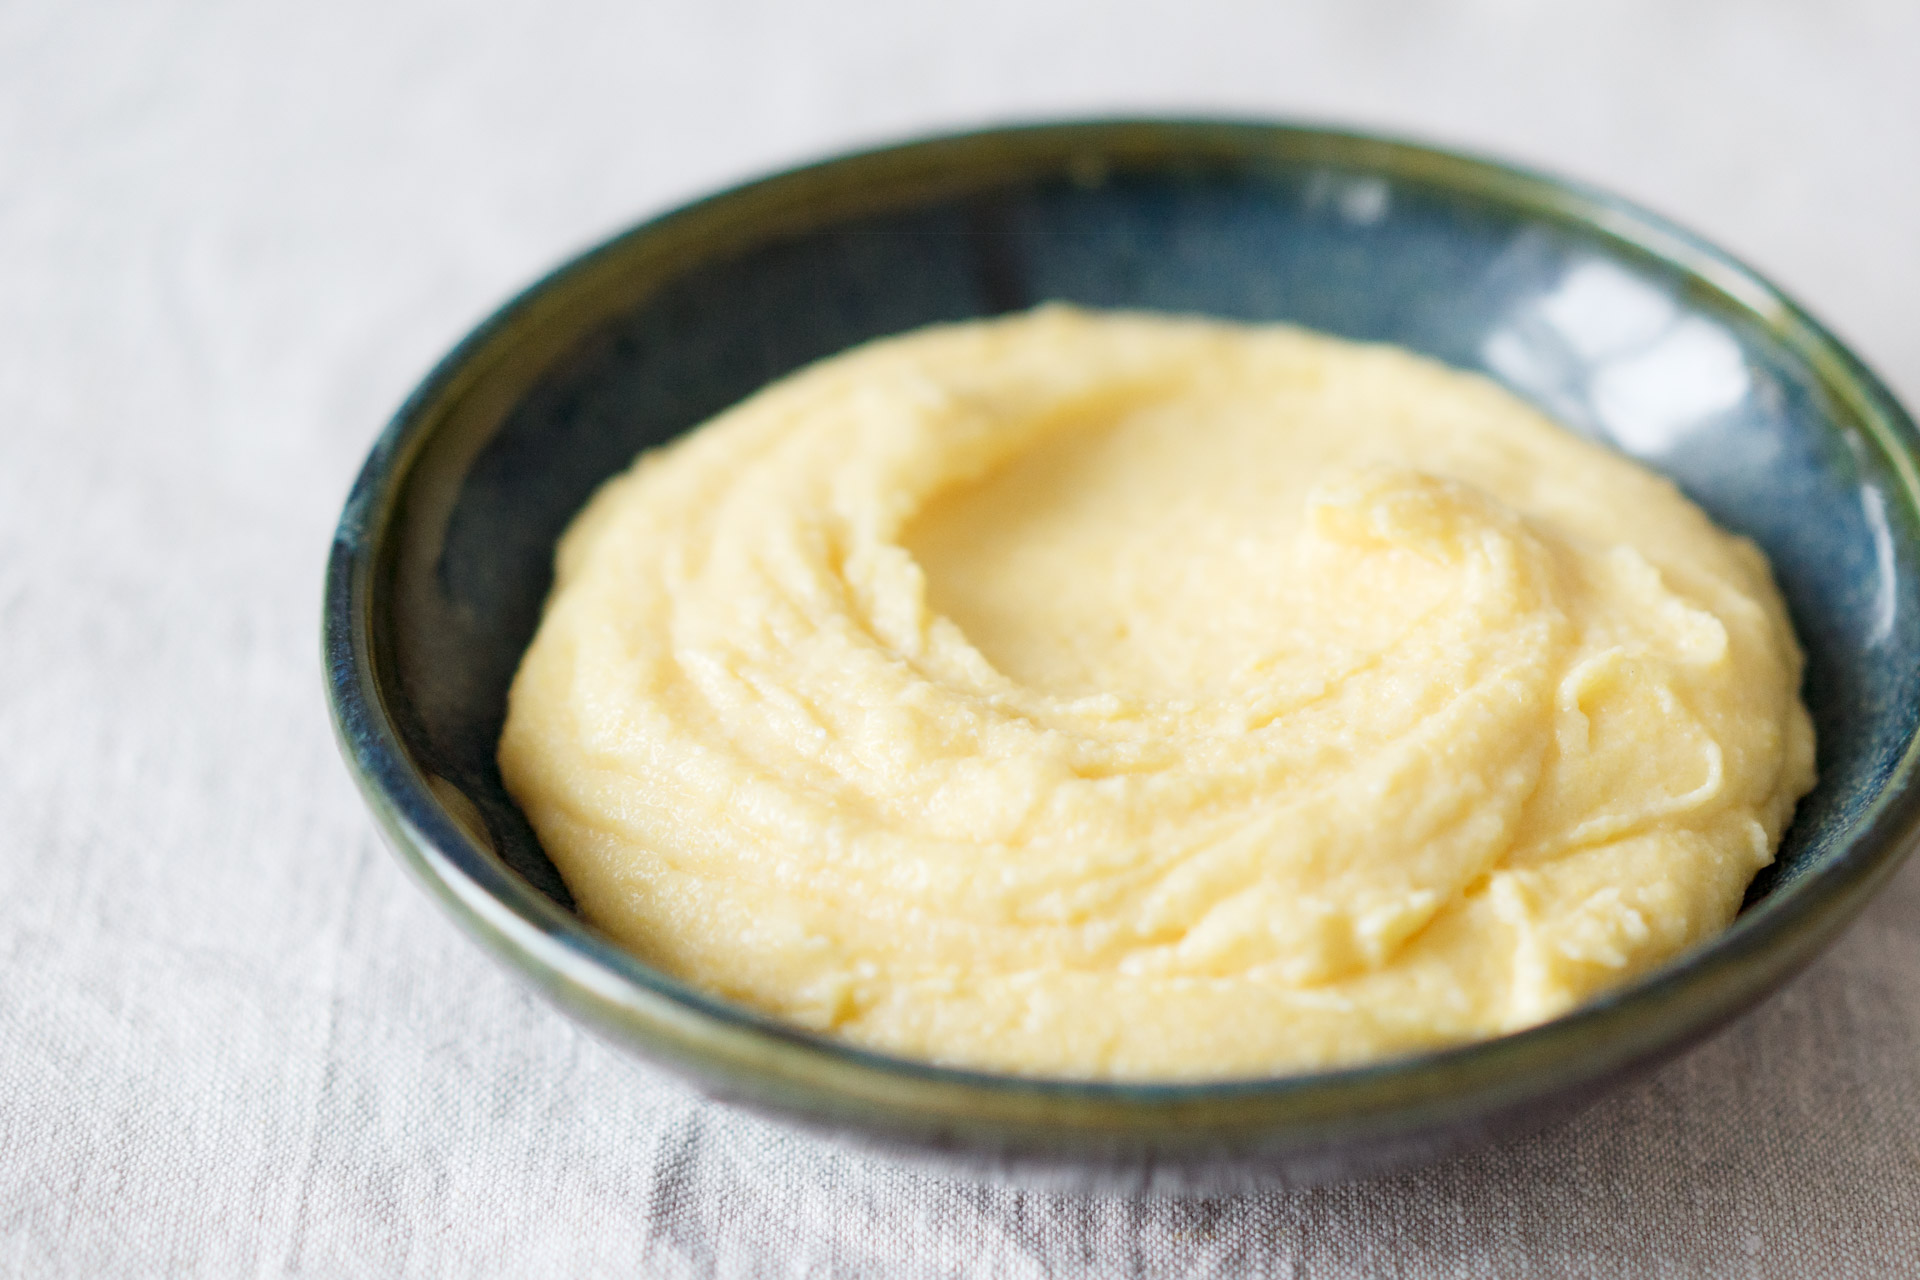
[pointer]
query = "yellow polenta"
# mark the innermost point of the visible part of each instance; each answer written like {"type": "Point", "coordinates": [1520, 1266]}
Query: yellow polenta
{"type": "Point", "coordinates": [1124, 696]}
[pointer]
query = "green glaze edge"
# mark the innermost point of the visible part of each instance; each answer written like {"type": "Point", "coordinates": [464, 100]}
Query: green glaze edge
{"type": "Point", "coordinates": [741, 1056]}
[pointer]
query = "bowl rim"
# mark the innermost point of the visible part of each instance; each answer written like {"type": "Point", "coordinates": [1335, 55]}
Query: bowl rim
{"type": "Point", "coordinates": [737, 1052]}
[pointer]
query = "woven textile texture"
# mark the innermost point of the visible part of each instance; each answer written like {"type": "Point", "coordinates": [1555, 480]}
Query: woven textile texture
{"type": "Point", "coordinates": [235, 1040]}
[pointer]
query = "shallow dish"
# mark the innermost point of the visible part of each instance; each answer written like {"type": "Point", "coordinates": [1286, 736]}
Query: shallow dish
{"type": "Point", "coordinates": [1614, 321]}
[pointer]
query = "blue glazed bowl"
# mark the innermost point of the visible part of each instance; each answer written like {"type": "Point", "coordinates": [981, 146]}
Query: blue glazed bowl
{"type": "Point", "coordinates": [1614, 321]}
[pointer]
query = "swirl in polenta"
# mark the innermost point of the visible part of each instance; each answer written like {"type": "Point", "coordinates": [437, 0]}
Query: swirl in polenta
{"type": "Point", "coordinates": [1133, 697]}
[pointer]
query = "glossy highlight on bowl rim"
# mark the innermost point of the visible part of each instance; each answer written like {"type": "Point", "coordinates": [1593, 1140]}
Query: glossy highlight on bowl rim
{"type": "Point", "coordinates": [1171, 1136]}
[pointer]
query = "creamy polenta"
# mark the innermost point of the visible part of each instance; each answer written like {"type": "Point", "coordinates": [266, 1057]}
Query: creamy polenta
{"type": "Point", "coordinates": [1110, 695]}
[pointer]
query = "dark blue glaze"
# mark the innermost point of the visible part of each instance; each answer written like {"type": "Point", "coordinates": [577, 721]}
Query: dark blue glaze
{"type": "Point", "coordinates": [1620, 326]}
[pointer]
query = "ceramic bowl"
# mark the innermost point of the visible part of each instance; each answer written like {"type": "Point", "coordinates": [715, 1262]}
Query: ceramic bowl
{"type": "Point", "coordinates": [1616, 322]}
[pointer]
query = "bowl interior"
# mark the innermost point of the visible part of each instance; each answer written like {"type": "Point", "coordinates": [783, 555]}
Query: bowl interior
{"type": "Point", "coordinates": [1619, 327]}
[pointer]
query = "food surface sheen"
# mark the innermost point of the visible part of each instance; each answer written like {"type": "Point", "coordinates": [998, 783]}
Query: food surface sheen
{"type": "Point", "coordinates": [1134, 697]}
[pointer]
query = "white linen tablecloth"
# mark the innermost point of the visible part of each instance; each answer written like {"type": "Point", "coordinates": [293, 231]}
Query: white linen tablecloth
{"type": "Point", "coordinates": [235, 1040]}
